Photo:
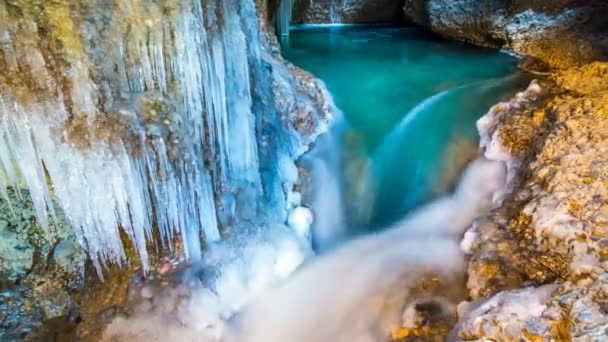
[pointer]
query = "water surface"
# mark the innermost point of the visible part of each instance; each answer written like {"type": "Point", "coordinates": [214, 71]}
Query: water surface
{"type": "Point", "coordinates": [410, 101]}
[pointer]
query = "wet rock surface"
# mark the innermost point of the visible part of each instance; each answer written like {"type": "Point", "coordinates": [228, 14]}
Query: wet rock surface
{"type": "Point", "coordinates": [559, 33]}
{"type": "Point", "coordinates": [551, 228]}
{"type": "Point", "coordinates": [40, 273]}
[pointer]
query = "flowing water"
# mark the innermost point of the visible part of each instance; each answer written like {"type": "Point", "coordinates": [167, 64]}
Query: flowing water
{"type": "Point", "coordinates": [406, 124]}
{"type": "Point", "coordinates": [334, 11]}
{"type": "Point", "coordinates": [142, 116]}
{"type": "Point", "coordinates": [409, 102]}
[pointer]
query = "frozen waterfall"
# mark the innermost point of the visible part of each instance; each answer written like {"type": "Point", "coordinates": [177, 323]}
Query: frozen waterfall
{"type": "Point", "coordinates": [139, 115]}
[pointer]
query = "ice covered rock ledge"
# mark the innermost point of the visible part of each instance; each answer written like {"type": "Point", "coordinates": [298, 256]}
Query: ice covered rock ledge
{"type": "Point", "coordinates": [143, 115]}
{"type": "Point", "coordinates": [538, 265]}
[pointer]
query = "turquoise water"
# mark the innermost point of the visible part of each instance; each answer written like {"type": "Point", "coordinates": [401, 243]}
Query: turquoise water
{"type": "Point", "coordinates": [410, 102]}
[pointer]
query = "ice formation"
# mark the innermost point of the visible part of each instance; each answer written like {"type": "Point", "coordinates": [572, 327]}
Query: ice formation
{"type": "Point", "coordinates": [245, 266]}
{"type": "Point", "coordinates": [156, 123]}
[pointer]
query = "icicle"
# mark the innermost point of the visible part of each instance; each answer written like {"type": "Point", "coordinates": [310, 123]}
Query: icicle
{"type": "Point", "coordinates": [174, 135]}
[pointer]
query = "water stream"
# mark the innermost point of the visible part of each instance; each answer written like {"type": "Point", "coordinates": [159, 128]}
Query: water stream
{"type": "Point", "coordinates": [334, 11]}
{"type": "Point", "coordinates": [164, 119]}
{"type": "Point", "coordinates": [409, 101]}
{"type": "Point", "coordinates": [389, 164]}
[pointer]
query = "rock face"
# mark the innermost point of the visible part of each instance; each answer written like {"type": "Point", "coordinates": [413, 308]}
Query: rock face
{"type": "Point", "coordinates": [39, 272]}
{"type": "Point", "coordinates": [559, 33]}
{"type": "Point", "coordinates": [551, 228]}
{"type": "Point", "coordinates": [347, 11]}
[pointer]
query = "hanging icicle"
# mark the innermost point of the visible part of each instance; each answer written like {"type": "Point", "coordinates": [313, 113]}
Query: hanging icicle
{"type": "Point", "coordinates": [132, 114]}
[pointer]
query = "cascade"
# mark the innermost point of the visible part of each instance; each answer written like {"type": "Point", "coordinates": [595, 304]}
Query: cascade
{"type": "Point", "coordinates": [327, 201]}
{"type": "Point", "coordinates": [427, 103]}
{"type": "Point", "coordinates": [334, 11]}
{"type": "Point", "coordinates": [284, 17]}
{"type": "Point", "coordinates": [138, 115]}
{"type": "Point", "coordinates": [412, 127]}
{"type": "Point", "coordinates": [316, 304]}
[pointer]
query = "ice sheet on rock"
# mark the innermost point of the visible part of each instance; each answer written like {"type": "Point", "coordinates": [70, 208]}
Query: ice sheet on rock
{"type": "Point", "coordinates": [244, 267]}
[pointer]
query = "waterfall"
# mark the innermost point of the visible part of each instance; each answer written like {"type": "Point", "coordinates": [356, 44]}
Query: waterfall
{"type": "Point", "coordinates": [335, 7]}
{"type": "Point", "coordinates": [138, 115]}
{"type": "Point", "coordinates": [284, 17]}
{"type": "Point", "coordinates": [317, 304]}
{"type": "Point", "coordinates": [427, 104]}
{"type": "Point", "coordinates": [395, 150]}
{"type": "Point", "coordinates": [324, 163]}
{"type": "Point", "coordinates": [356, 292]}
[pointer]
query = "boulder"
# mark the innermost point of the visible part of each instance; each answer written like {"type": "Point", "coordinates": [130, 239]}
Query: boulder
{"type": "Point", "coordinates": [559, 33]}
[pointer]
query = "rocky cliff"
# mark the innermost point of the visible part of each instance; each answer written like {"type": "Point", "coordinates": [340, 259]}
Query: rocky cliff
{"type": "Point", "coordinates": [541, 257]}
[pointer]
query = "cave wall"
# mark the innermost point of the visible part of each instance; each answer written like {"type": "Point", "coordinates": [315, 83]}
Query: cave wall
{"type": "Point", "coordinates": [347, 11]}
{"type": "Point", "coordinates": [559, 33]}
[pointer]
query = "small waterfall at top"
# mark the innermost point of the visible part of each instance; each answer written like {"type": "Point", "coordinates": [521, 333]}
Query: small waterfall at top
{"type": "Point", "coordinates": [139, 115]}
{"type": "Point", "coordinates": [334, 11]}
{"type": "Point", "coordinates": [284, 17]}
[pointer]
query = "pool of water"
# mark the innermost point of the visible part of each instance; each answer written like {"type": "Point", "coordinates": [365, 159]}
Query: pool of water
{"type": "Point", "coordinates": [410, 101]}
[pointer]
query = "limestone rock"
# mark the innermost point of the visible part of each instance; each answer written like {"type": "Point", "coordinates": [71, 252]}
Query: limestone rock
{"type": "Point", "coordinates": [551, 228]}
{"type": "Point", "coordinates": [519, 313]}
{"type": "Point", "coordinates": [559, 33]}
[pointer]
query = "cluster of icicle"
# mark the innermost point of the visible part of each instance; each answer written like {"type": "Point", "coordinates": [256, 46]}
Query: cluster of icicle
{"type": "Point", "coordinates": [155, 124]}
